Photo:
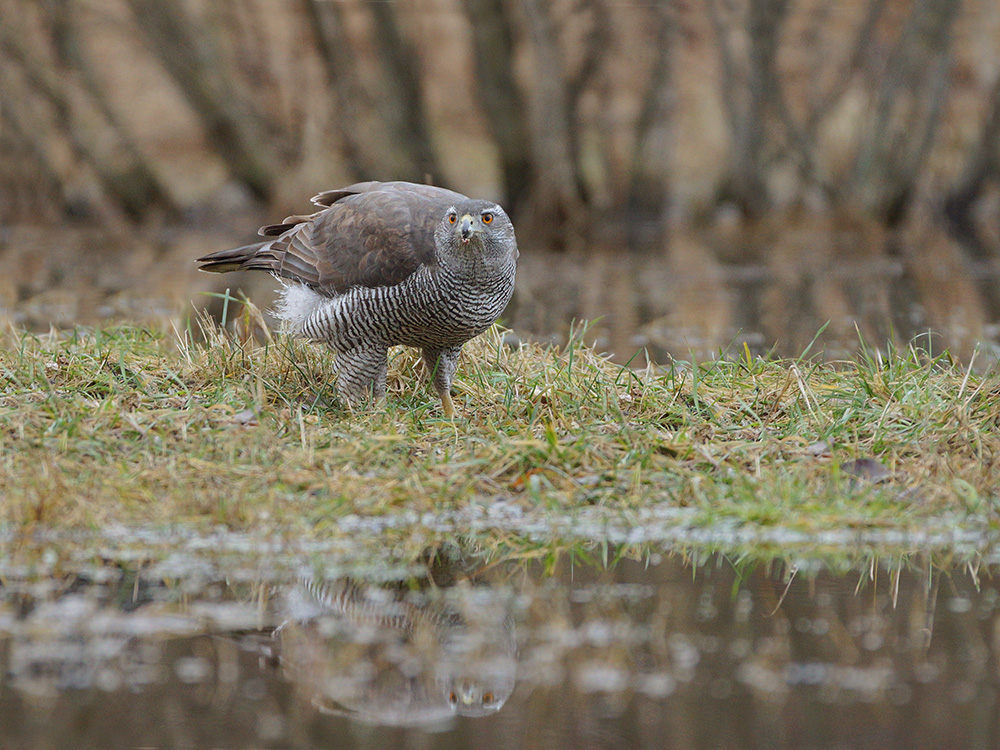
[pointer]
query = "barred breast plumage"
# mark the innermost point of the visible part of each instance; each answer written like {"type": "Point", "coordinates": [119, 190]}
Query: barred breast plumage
{"type": "Point", "coordinates": [381, 655]}
{"type": "Point", "coordinates": [385, 264]}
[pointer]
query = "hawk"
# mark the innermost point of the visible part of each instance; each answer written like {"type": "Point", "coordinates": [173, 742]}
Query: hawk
{"type": "Point", "coordinates": [382, 656]}
{"type": "Point", "coordinates": [382, 264]}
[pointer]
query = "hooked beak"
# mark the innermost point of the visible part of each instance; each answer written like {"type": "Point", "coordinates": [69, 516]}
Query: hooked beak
{"type": "Point", "coordinates": [466, 227]}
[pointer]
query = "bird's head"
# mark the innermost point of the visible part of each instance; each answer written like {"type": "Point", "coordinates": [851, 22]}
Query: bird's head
{"type": "Point", "coordinates": [471, 697]}
{"type": "Point", "coordinates": [477, 228]}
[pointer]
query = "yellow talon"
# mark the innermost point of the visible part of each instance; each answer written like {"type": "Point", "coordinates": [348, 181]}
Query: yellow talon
{"type": "Point", "coordinates": [449, 407]}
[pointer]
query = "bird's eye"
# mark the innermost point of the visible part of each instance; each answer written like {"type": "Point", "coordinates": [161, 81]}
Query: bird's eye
{"type": "Point", "coordinates": [452, 698]}
{"type": "Point", "coordinates": [452, 218]}
{"type": "Point", "coordinates": [487, 698]}
{"type": "Point", "coordinates": [487, 217]}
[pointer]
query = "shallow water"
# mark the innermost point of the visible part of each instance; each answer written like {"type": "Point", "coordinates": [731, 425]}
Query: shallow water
{"type": "Point", "coordinates": [817, 283]}
{"type": "Point", "coordinates": [460, 649]}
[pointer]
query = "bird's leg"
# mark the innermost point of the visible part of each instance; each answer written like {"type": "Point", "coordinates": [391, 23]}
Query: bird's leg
{"type": "Point", "coordinates": [361, 373]}
{"type": "Point", "coordinates": [441, 365]}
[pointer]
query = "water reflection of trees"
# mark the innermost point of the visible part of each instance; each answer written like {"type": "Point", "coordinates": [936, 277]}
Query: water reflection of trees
{"type": "Point", "coordinates": [828, 282]}
{"type": "Point", "coordinates": [881, 653]}
{"type": "Point", "coordinates": [759, 657]}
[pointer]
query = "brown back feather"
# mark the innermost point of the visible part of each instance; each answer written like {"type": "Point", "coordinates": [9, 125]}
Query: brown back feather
{"type": "Point", "coordinates": [370, 234]}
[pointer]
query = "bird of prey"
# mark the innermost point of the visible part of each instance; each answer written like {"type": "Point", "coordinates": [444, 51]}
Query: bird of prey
{"type": "Point", "coordinates": [381, 655]}
{"type": "Point", "coordinates": [387, 263]}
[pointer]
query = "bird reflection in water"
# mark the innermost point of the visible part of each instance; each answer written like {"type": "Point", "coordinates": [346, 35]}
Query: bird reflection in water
{"type": "Point", "coordinates": [393, 656]}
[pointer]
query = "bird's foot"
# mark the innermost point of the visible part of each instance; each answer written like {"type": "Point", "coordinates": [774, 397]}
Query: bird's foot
{"type": "Point", "coordinates": [447, 405]}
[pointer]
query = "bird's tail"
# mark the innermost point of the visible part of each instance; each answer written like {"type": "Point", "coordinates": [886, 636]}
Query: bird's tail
{"type": "Point", "coordinates": [248, 257]}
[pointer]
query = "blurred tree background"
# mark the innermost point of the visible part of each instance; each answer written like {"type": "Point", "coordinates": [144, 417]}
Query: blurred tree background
{"type": "Point", "coordinates": [643, 140]}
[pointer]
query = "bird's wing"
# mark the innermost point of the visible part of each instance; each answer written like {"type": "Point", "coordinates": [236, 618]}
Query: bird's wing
{"type": "Point", "coordinates": [368, 234]}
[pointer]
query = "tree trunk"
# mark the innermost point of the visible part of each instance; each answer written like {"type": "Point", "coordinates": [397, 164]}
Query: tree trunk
{"type": "Point", "coordinates": [499, 95]}
{"type": "Point", "coordinates": [240, 134]}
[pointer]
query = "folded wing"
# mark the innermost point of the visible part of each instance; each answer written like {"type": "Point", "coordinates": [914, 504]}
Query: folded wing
{"type": "Point", "coordinates": [368, 234]}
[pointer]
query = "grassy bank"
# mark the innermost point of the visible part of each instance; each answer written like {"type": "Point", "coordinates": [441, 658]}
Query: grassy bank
{"type": "Point", "coordinates": [127, 426]}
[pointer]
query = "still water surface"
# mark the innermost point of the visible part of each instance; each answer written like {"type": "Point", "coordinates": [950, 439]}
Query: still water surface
{"type": "Point", "coordinates": [824, 284]}
{"type": "Point", "coordinates": [660, 650]}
